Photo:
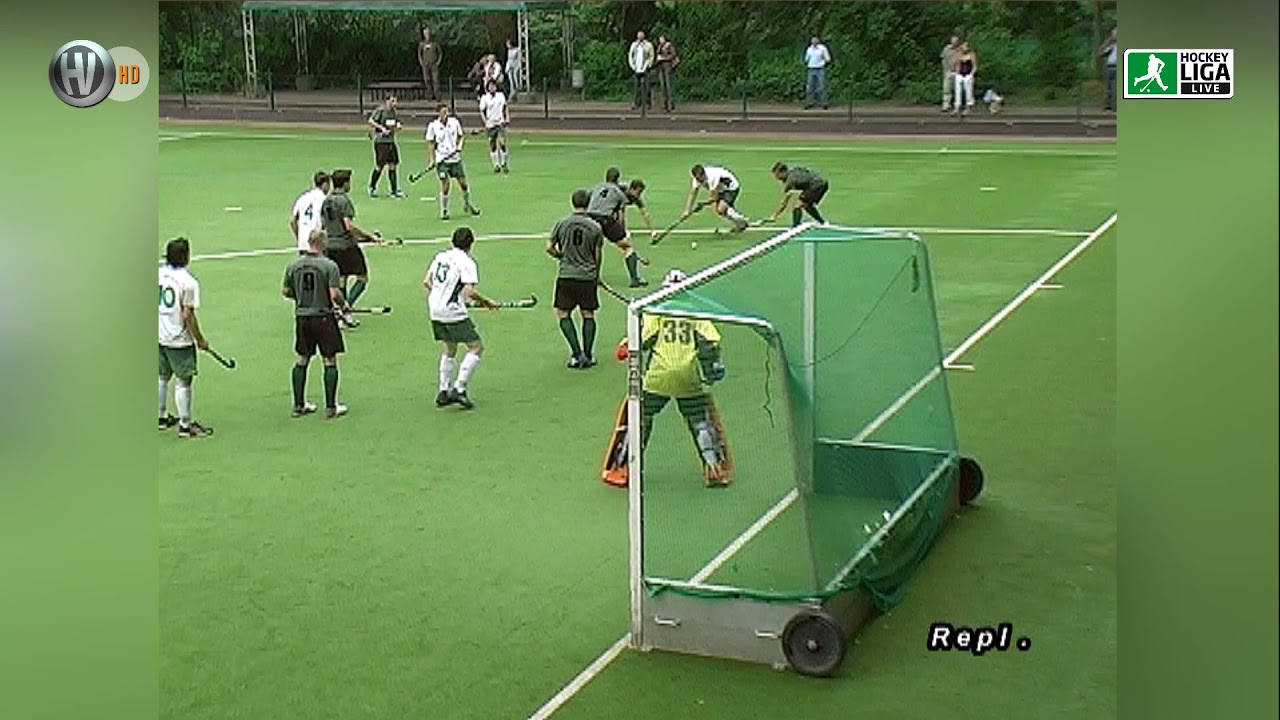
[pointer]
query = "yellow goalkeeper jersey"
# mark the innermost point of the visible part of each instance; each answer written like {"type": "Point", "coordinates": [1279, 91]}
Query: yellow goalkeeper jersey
{"type": "Point", "coordinates": [673, 368]}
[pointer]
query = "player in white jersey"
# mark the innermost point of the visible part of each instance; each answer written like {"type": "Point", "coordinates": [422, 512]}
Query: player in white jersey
{"type": "Point", "coordinates": [180, 336]}
{"type": "Point", "coordinates": [306, 212]}
{"type": "Point", "coordinates": [444, 154]}
{"type": "Point", "coordinates": [497, 115]}
{"type": "Point", "coordinates": [451, 285]}
{"type": "Point", "coordinates": [722, 192]}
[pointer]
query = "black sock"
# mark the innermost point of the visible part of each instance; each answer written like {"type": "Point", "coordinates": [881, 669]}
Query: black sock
{"type": "Point", "coordinates": [589, 336]}
{"type": "Point", "coordinates": [571, 334]}
{"type": "Point", "coordinates": [633, 266]}
{"type": "Point", "coordinates": [331, 386]}
{"type": "Point", "coordinates": [813, 211]}
{"type": "Point", "coordinates": [299, 378]}
{"type": "Point", "coordinates": [395, 184]}
{"type": "Point", "coordinates": [795, 217]}
{"type": "Point", "coordinates": [373, 179]}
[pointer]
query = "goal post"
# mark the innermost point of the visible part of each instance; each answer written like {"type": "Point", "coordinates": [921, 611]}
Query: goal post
{"type": "Point", "coordinates": [794, 454]}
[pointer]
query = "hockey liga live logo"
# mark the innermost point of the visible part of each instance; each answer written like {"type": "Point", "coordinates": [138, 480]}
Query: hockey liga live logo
{"type": "Point", "coordinates": [1179, 74]}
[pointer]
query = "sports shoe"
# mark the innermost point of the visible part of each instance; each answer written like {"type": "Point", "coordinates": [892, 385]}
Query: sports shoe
{"type": "Point", "coordinates": [444, 216]}
{"type": "Point", "coordinates": [639, 282]}
{"type": "Point", "coordinates": [373, 192]}
{"type": "Point", "coordinates": [444, 398]}
{"type": "Point", "coordinates": [304, 409]}
{"type": "Point", "coordinates": [398, 194]}
{"type": "Point", "coordinates": [460, 397]}
{"type": "Point", "coordinates": [473, 210]}
{"type": "Point", "coordinates": [336, 411]}
{"type": "Point", "coordinates": [497, 169]}
{"type": "Point", "coordinates": [739, 226]}
{"type": "Point", "coordinates": [588, 361]}
{"type": "Point", "coordinates": [505, 169]}
{"type": "Point", "coordinates": [167, 422]}
{"type": "Point", "coordinates": [575, 362]}
{"type": "Point", "coordinates": [193, 429]}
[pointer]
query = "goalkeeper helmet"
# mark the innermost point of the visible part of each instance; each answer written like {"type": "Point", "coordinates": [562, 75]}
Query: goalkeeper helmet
{"type": "Point", "coordinates": [673, 277]}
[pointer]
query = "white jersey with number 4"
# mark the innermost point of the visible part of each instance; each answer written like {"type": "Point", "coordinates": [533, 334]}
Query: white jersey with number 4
{"type": "Point", "coordinates": [449, 272]}
{"type": "Point", "coordinates": [717, 175]}
{"type": "Point", "coordinates": [493, 108]}
{"type": "Point", "coordinates": [306, 210]}
{"type": "Point", "coordinates": [447, 136]}
{"type": "Point", "coordinates": [178, 289]}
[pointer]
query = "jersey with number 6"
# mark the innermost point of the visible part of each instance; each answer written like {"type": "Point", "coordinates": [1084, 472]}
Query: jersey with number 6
{"type": "Point", "coordinates": [673, 369]}
{"type": "Point", "coordinates": [306, 210]}
{"type": "Point", "coordinates": [178, 289]}
{"type": "Point", "coordinates": [450, 271]}
{"type": "Point", "coordinates": [578, 238]}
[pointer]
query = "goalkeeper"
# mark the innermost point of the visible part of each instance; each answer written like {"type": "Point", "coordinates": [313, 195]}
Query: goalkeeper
{"type": "Point", "coordinates": [680, 360]}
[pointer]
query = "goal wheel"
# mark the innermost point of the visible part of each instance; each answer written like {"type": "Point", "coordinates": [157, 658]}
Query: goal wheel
{"type": "Point", "coordinates": [970, 480]}
{"type": "Point", "coordinates": [813, 643]}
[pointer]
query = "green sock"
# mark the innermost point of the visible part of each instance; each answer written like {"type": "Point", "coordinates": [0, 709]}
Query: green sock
{"type": "Point", "coordinates": [395, 184]}
{"type": "Point", "coordinates": [466, 198]}
{"type": "Point", "coordinates": [357, 289]}
{"type": "Point", "coordinates": [589, 335]}
{"type": "Point", "coordinates": [373, 178]}
{"type": "Point", "coordinates": [571, 334]}
{"type": "Point", "coordinates": [331, 386]}
{"type": "Point", "coordinates": [795, 217]}
{"type": "Point", "coordinates": [299, 378]}
{"type": "Point", "coordinates": [814, 212]}
{"type": "Point", "coordinates": [633, 266]}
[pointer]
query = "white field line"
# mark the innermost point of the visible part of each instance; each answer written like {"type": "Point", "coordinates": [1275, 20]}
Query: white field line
{"type": "Point", "coordinates": [1028, 232]}
{"type": "Point", "coordinates": [868, 149]}
{"type": "Point", "coordinates": [600, 663]}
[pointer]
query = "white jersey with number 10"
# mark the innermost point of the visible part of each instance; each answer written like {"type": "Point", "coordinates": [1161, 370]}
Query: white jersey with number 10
{"type": "Point", "coordinates": [307, 212]}
{"type": "Point", "coordinates": [447, 136]}
{"type": "Point", "coordinates": [449, 272]}
{"type": "Point", "coordinates": [178, 289]}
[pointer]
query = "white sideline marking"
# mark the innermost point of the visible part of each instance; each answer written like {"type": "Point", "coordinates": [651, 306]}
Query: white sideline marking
{"type": "Point", "coordinates": [233, 208]}
{"type": "Point", "coordinates": [960, 366]}
{"type": "Point", "coordinates": [1051, 286]}
{"type": "Point", "coordinates": [987, 188]}
{"type": "Point", "coordinates": [1029, 232]}
{"type": "Point", "coordinates": [336, 136]}
{"type": "Point", "coordinates": [596, 667]}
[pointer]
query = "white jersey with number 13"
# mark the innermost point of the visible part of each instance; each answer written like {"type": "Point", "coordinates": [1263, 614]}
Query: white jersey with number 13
{"type": "Point", "coordinates": [449, 272]}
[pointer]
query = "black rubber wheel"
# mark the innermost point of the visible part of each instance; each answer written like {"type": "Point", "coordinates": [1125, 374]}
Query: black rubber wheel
{"type": "Point", "coordinates": [971, 480]}
{"type": "Point", "coordinates": [814, 643]}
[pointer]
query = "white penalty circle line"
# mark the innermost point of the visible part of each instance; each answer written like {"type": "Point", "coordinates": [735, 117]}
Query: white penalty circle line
{"type": "Point", "coordinates": [993, 232]}
{"type": "Point", "coordinates": [600, 663]}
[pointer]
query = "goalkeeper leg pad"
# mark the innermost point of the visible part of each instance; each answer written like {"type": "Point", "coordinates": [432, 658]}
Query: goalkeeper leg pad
{"type": "Point", "coordinates": [615, 455]}
{"type": "Point", "coordinates": [713, 446]}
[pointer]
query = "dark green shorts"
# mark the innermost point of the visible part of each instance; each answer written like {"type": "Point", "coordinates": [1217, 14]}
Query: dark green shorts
{"type": "Point", "coordinates": [497, 132]}
{"type": "Point", "coordinates": [178, 361]}
{"type": "Point", "coordinates": [461, 331]}
{"type": "Point", "coordinates": [451, 170]}
{"type": "Point", "coordinates": [729, 197]}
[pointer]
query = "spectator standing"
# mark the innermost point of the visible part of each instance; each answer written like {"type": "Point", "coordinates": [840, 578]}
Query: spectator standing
{"type": "Point", "coordinates": [816, 59]}
{"type": "Point", "coordinates": [514, 76]}
{"type": "Point", "coordinates": [479, 74]}
{"type": "Point", "coordinates": [640, 58]}
{"type": "Point", "coordinates": [966, 70]}
{"type": "Point", "coordinates": [429, 56]}
{"type": "Point", "coordinates": [950, 53]}
{"type": "Point", "coordinates": [667, 62]}
{"type": "Point", "coordinates": [1108, 50]}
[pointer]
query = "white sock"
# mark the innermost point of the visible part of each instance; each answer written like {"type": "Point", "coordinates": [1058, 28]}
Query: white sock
{"type": "Point", "coordinates": [502, 155]}
{"type": "Point", "coordinates": [446, 372]}
{"type": "Point", "coordinates": [469, 364]}
{"type": "Point", "coordinates": [182, 394]}
{"type": "Point", "coordinates": [444, 203]}
{"type": "Point", "coordinates": [164, 397]}
{"type": "Point", "coordinates": [493, 157]}
{"type": "Point", "coordinates": [735, 215]}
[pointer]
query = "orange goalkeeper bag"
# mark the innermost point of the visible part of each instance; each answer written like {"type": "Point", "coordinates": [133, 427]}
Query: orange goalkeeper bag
{"type": "Point", "coordinates": [615, 455]}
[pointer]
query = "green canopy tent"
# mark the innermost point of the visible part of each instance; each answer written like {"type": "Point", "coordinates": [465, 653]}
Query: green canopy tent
{"type": "Point", "coordinates": [521, 9]}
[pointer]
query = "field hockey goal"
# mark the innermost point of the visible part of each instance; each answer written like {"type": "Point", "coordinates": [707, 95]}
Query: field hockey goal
{"type": "Point", "coordinates": [787, 487]}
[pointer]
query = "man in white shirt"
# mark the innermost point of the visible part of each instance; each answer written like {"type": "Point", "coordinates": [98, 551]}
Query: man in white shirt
{"type": "Point", "coordinates": [180, 336]}
{"type": "Point", "coordinates": [306, 212]}
{"type": "Point", "coordinates": [816, 59]}
{"type": "Point", "coordinates": [514, 74]}
{"type": "Point", "coordinates": [451, 285]}
{"type": "Point", "coordinates": [444, 155]}
{"type": "Point", "coordinates": [640, 58]}
{"type": "Point", "coordinates": [496, 115]}
{"type": "Point", "coordinates": [722, 192]}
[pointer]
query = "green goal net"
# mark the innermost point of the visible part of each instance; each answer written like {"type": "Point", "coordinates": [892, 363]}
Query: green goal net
{"type": "Point", "coordinates": [798, 440]}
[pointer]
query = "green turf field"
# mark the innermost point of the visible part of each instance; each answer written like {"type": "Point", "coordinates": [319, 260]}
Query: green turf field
{"type": "Point", "coordinates": [406, 561]}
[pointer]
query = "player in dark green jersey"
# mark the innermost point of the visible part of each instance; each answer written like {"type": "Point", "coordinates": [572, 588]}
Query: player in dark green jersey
{"type": "Point", "coordinates": [386, 154]}
{"type": "Point", "coordinates": [607, 205]}
{"type": "Point", "coordinates": [811, 187]}
{"type": "Point", "coordinates": [576, 241]}
{"type": "Point", "coordinates": [313, 282]}
{"type": "Point", "coordinates": [337, 216]}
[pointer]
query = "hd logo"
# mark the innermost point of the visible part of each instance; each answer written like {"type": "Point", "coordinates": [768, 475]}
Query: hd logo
{"type": "Point", "coordinates": [1179, 74]}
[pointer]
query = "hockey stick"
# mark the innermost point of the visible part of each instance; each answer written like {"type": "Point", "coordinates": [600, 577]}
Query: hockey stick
{"type": "Point", "coordinates": [376, 310]}
{"type": "Point", "coordinates": [531, 301]}
{"type": "Point", "coordinates": [676, 224]}
{"type": "Point", "coordinates": [226, 363]}
{"type": "Point", "coordinates": [613, 293]}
